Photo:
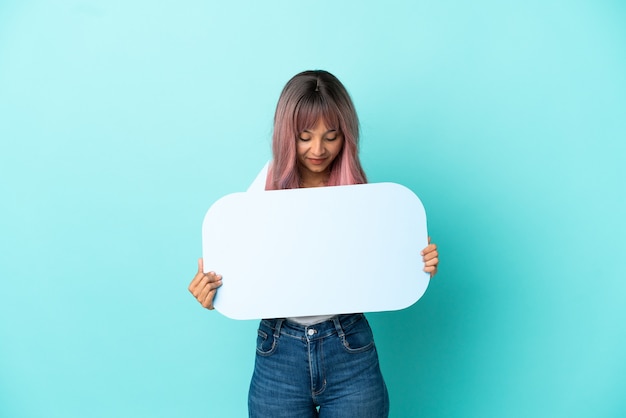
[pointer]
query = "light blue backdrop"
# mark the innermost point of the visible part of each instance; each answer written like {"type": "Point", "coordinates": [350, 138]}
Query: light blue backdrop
{"type": "Point", "coordinates": [121, 122]}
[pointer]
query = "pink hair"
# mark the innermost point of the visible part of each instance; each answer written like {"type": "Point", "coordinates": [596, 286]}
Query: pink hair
{"type": "Point", "coordinates": [308, 97]}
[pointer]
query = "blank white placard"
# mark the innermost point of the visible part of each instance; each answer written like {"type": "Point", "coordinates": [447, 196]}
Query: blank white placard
{"type": "Point", "coordinates": [316, 251]}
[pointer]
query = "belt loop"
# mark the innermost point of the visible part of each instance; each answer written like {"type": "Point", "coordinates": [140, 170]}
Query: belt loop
{"type": "Point", "coordinates": [338, 327]}
{"type": "Point", "coordinates": [279, 324]}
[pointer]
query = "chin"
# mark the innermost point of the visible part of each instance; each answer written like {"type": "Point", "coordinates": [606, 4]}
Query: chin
{"type": "Point", "coordinates": [318, 169]}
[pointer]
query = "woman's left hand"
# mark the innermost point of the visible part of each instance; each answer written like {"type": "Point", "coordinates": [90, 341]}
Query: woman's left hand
{"type": "Point", "coordinates": [431, 259]}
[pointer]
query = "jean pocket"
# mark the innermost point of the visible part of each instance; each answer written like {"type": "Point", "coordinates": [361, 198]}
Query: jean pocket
{"type": "Point", "coordinates": [265, 343]}
{"type": "Point", "coordinates": [358, 337]}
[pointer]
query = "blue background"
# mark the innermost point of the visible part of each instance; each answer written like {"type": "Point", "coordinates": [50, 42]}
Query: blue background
{"type": "Point", "coordinates": [122, 122]}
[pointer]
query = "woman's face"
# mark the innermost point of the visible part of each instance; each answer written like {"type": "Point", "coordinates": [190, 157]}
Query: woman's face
{"type": "Point", "coordinates": [316, 149]}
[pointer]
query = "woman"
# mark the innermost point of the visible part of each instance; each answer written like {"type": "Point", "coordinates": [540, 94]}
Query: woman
{"type": "Point", "coordinates": [327, 365]}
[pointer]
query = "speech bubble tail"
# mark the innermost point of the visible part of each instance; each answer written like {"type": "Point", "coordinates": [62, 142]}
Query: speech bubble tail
{"type": "Point", "coordinates": [259, 182]}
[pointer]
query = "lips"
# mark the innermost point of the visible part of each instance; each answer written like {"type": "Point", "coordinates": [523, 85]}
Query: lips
{"type": "Point", "coordinates": [317, 161]}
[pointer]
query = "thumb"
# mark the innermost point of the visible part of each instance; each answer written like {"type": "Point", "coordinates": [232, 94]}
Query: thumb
{"type": "Point", "coordinates": [200, 266]}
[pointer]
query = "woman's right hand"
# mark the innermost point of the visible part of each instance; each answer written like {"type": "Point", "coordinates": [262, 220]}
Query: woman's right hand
{"type": "Point", "coordinates": [204, 285]}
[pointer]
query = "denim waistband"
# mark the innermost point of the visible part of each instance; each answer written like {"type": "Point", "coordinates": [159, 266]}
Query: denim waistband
{"type": "Point", "coordinates": [336, 324]}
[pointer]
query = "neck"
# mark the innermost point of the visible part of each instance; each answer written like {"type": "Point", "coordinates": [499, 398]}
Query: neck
{"type": "Point", "coordinates": [315, 179]}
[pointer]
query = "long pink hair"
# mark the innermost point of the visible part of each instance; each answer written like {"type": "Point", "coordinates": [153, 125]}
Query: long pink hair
{"type": "Point", "coordinates": [308, 97]}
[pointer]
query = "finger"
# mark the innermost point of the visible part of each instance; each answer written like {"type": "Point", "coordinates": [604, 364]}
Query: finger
{"type": "Point", "coordinates": [212, 277]}
{"type": "Point", "coordinates": [210, 282]}
{"type": "Point", "coordinates": [431, 259]}
{"type": "Point", "coordinates": [430, 255]}
{"type": "Point", "coordinates": [196, 282]}
{"type": "Point", "coordinates": [429, 248]}
{"type": "Point", "coordinates": [202, 293]}
{"type": "Point", "coordinates": [207, 299]}
{"type": "Point", "coordinates": [430, 269]}
{"type": "Point", "coordinates": [207, 302]}
{"type": "Point", "coordinates": [201, 280]}
{"type": "Point", "coordinates": [198, 277]}
{"type": "Point", "coordinates": [432, 263]}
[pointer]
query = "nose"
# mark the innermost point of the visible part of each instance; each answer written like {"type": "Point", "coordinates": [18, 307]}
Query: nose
{"type": "Point", "coordinates": [317, 147]}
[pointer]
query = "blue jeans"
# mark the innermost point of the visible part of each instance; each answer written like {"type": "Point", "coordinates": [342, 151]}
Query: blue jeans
{"type": "Point", "coordinates": [325, 370]}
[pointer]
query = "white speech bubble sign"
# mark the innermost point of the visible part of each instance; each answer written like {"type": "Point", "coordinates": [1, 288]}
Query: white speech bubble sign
{"type": "Point", "coordinates": [316, 251]}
